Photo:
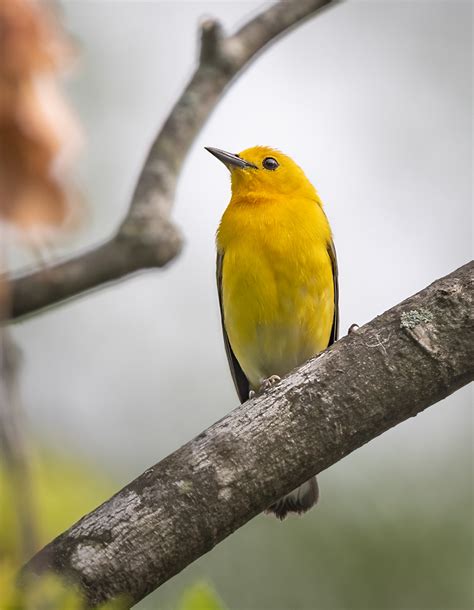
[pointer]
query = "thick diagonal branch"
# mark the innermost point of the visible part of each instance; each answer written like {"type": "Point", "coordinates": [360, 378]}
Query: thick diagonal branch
{"type": "Point", "coordinates": [412, 356]}
{"type": "Point", "coordinates": [147, 238]}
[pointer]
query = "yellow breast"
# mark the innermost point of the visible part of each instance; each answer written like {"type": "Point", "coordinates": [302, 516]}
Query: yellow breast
{"type": "Point", "coordinates": [277, 283]}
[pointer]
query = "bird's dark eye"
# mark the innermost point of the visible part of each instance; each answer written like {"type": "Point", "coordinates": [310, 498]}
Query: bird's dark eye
{"type": "Point", "coordinates": [270, 163]}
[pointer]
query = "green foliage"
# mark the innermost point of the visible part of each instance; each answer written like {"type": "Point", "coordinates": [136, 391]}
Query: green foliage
{"type": "Point", "coordinates": [46, 593]}
{"type": "Point", "coordinates": [200, 596]}
{"type": "Point", "coordinates": [62, 491]}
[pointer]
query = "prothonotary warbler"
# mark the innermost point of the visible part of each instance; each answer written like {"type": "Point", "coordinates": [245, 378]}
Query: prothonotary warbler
{"type": "Point", "coordinates": [276, 278]}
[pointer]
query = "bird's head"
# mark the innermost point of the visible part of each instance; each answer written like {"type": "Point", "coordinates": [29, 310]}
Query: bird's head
{"type": "Point", "coordinates": [264, 170]}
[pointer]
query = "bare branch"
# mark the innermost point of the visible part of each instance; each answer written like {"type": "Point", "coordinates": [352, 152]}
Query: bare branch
{"type": "Point", "coordinates": [14, 453]}
{"type": "Point", "coordinates": [405, 360]}
{"type": "Point", "coordinates": [147, 238]}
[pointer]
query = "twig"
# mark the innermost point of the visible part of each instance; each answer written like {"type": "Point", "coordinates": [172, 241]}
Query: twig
{"type": "Point", "coordinates": [14, 452]}
{"type": "Point", "coordinates": [147, 238]}
{"type": "Point", "coordinates": [182, 507]}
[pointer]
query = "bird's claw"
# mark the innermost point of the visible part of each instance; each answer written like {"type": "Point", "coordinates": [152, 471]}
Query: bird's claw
{"type": "Point", "coordinates": [267, 383]}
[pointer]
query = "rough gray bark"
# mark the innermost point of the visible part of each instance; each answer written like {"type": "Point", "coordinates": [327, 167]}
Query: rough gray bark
{"type": "Point", "coordinates": [403, 361]}
{"type": "Point", "coordinates": [147, 238]}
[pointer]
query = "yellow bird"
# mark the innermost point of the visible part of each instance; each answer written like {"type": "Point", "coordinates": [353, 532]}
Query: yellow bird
{"type": "Point", "coordinates": [276, 278]}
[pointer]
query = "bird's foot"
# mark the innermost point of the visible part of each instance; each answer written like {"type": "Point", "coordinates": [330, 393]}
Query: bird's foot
{"type": "Point", "coordinates": [353, 328]}
{"type": "Point", "coordinates": [267, 383]}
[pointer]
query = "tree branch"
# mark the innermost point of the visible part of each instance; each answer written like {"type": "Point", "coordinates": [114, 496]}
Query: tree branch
{"type": "Point", "coordinates": [147, 238]}
{"type": "Point", "coordinates": [14, 451]}
{"type": "Point", "coordinates": [412, 356]}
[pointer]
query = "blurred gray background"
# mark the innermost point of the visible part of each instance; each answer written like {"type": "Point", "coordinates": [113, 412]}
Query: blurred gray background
{"type": "Point", "coordinates": [373, 100]}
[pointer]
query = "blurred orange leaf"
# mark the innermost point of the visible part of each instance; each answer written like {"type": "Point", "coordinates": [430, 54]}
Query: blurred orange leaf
{"type": "Point", "coordinates": [36, 126]}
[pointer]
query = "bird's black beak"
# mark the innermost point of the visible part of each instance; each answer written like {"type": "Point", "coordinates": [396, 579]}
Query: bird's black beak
{"type": "Point", "coordinates": [229, 159]}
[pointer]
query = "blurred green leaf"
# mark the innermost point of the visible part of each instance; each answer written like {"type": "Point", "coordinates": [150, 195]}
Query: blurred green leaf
{"type": "Point", "coordinates": [64, 489]}
{"type": "Point", "coordinates": [200, 596]}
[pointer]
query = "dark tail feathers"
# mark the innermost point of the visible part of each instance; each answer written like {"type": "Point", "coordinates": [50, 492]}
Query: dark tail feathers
{"type": "Point", "coordinates": [298, 501]}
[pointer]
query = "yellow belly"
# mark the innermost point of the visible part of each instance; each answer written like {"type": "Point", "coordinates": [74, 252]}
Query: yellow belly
{"type": "Point", "coordinates": [278, 299]}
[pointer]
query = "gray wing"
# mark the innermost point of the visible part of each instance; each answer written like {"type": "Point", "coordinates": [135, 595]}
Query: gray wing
{"type": "Point", "coordinates": [335, 323]}
{"type": "Point", "coordinates": [240, 380]}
